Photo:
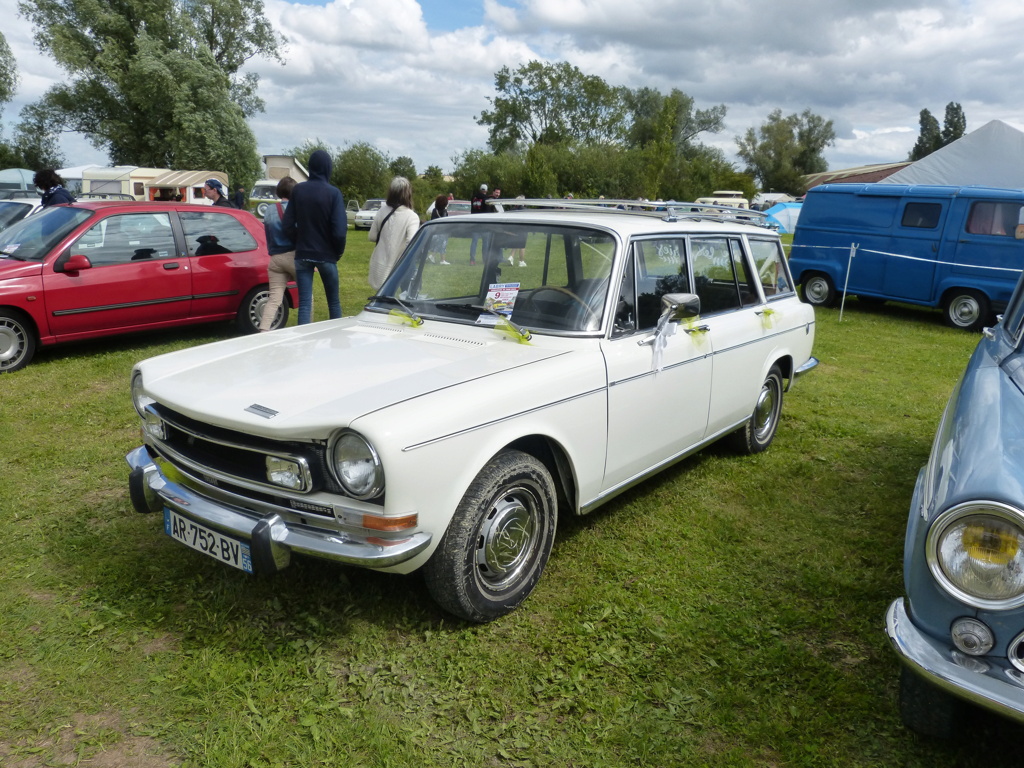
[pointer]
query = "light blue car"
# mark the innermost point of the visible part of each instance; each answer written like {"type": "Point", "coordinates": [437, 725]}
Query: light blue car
{"type": "Point", "coordinates": [960, 629]}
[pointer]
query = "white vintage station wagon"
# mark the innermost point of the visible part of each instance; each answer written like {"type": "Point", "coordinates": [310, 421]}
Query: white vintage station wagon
{"type": "Point", "coordinates": [514, 367]}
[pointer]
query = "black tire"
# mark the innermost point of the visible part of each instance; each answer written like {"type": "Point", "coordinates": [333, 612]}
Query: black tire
{"type": "Point", "coordinates": [819, 290]}
{"type": "Point", "coordinates": [925, 709]}
{"type": "Point", "coordinates": [759, 431]}
{"type": "Point", "coordinates": [498, 542]}
{"type": "Point", "coordinates": [17, 341]}
{"type": "Point", "coordinates": [966, 309]}
{"type": "Point", "coordinates": [250, 311]}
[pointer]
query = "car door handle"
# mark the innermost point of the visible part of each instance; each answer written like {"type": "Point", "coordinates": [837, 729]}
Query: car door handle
{"type": "Point", "coordinates": [171, 265]}
{"type": "Point", "coordinates": [698, 329]}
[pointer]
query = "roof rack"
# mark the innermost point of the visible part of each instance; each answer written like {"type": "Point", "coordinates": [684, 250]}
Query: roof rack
{"type": "Point", "coordinates": [667, 210]}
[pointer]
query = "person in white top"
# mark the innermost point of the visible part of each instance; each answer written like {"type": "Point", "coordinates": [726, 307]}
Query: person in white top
{"type": "Point", "coordinates": [392, 229]}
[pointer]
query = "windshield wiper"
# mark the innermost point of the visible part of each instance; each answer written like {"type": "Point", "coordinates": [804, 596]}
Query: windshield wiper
{"type": "Point", "coordinates": [413, 317]}
{"type": "Point", "coordinates": [476, 309]}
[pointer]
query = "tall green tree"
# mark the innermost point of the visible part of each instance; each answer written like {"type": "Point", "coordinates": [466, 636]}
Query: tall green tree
{"type": "Point", "coordinates": [650, 114]}
{"type": "Point", "coordinates": [403, 166]}
{"type": "Point", "coordinates": [8, 73]}
{"type": "Point", "coordinates": [930, 137]}
{"type": "Point", "coordinates": [156, 82]}
{"type": "Point", "coordinates": [954, 124]}
{"type": "Point", "coordinates": [784, 149]}
{"type": "Point", "coordinates": [362, 171]}
{"type": "Point", "coordinates": [540, 103]}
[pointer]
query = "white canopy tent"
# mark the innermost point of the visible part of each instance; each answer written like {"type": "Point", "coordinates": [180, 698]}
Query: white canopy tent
{"type": "Point", "coordinates": [991, 156]}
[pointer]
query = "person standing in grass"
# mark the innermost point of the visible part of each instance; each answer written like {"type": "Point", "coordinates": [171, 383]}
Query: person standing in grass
{"type": "Point", "coordinates": [316, 220]}
{"type": "Point", "coordinates": [281, 247]}
{"type": "Point", "coordinates": [393, 227]}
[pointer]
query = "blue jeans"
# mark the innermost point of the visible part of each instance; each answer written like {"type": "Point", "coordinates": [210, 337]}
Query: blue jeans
{"type": "Point", "coordinates": [304, 279]}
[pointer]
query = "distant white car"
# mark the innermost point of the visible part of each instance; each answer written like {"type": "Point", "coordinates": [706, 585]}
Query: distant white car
{"type": "Point", "coordinates": [434, 431]}
{"type": "Point", "coordinates": [15, 209]}
{"type": "Point", "coordinates": [364, 216]}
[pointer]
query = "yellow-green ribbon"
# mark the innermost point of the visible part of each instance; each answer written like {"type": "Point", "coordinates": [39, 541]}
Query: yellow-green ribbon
{"type": "Point", "coordinates": [505, 327]}
{"type": "Point", "coordinates": [398, 316]}
{"type": "Point", "coordinates": [766, 317]}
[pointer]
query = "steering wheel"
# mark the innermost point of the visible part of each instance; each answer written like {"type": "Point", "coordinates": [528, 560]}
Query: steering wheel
{"type": "Point", "coordinates": [559, 289]}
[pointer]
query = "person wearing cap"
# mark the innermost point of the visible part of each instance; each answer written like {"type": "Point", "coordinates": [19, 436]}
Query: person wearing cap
{"type": "Point", "coordinates": [215, 191]}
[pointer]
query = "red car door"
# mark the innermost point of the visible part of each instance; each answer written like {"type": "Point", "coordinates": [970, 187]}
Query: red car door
{"type": "Point", "coordinates": [135, 277]}
{"type": "Point", "coordinates": [227, 258]}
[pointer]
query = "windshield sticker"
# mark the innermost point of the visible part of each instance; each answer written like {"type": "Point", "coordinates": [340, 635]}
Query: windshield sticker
{"type": "Point", "coordinates": [501, 298]}
{"type": "Point", "coordinates": [11, 248]}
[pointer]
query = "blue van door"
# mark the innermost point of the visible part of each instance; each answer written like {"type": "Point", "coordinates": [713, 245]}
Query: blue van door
{"type": "Point", "coordinates": [988, 255]}
{"type": "Point", "coordinates": [913, 245]}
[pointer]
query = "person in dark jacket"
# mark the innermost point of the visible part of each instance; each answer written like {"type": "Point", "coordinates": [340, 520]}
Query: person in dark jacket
{"type": "Point", "coordinates": [52, 186]}
{"type": "Point", "coordinates": [239, 198]}
{"type": "Point", "coordinates": [215, 191]}
{"type": "Point", "coordinates": [316, 220]}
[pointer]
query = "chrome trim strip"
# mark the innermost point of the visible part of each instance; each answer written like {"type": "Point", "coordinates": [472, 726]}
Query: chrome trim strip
{"type": "Point", "coordinates": [810, 365]}
{"type": "Point", "coordinates": [282, 538]}
{"type": "Point", "coordinates": [511, 416]}
{"type": "Point", "coordinates": [989, 686]}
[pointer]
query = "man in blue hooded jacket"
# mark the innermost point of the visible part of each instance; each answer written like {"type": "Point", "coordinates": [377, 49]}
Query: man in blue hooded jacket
{"type": "Point", "coordinates": [317, 222]}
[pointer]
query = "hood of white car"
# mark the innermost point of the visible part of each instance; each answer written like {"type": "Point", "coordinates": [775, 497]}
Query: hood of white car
{"type": "Point", "coordinates": [301, 380]}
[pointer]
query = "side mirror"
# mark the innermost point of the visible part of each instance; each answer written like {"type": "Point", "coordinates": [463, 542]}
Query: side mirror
{"type": "Point", "coordinates": [679, 306]}
{"type": "Point", "coordinates": [76, 263]}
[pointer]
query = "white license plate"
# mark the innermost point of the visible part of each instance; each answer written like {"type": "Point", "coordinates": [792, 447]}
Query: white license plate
{"type": "Point", "coordinates": [208, 541]}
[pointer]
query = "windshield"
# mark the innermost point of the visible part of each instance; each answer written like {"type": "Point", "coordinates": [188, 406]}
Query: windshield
{"type": "Point", "coordinates": [32, 238]}
{"type": "Point", "coordinates": [372, 205]}
{"type": "Point", "coordinates": [543, 277]}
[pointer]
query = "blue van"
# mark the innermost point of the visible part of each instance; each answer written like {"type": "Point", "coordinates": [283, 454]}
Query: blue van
{"type": "Point", "coordinates": [958, 248]}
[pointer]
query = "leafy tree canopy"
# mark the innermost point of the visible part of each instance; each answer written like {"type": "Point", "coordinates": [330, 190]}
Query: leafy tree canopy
{"type": "Point", "coordinates": [784, 149]}
{"type": "Point", "coordinates": [155, 82]}
{"type": "Point", "coordinates": [8, 72]}
{"type": "Point", "coordinates": [403, 166]}
{"type": "Point", "coordinates": [932, 137]}
{"type": "Point", "coordinates": [540, 103]}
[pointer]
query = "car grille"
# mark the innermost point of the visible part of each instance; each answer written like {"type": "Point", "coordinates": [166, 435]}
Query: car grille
{"type": "Point", "coordinates": [237, 457]}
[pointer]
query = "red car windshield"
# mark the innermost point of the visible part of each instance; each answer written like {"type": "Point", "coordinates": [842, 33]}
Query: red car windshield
{"type": "Point", "coordinates": [32, 238]}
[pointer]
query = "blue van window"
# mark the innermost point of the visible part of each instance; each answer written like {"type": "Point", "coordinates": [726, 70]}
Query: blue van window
{"type": "Point", "coordinates": [999, 219]}
{"type": "Point", "coordinates": [922, 215]}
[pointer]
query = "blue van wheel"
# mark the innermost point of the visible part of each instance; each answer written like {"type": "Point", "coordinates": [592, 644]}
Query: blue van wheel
{"type": "Point", "coordinates": [819, 290]}
{"type": "Point", "coordinates": [966, 309]}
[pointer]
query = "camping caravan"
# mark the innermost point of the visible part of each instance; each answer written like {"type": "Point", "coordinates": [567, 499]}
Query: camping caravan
{"type": "Point", "coordinates": [119, 180]}
{"type": "Point", "coordinates": [727, 197]}
{"type": "Point", "coordinates": [958, 248]}
{"type": "Point", "coordinates": [183, 186]}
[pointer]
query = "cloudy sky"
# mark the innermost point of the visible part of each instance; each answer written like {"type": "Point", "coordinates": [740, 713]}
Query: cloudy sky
{"type": "Point", "coordinates": [410, 76]}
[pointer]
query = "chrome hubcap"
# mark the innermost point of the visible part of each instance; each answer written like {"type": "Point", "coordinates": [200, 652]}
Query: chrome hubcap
{"type": "Point", "coordinates": [12, 343]}
{"type": "Point", "coordinates": [964, 310]}
{"type": "Point", "coordinates": [508, 539]}
{"type": "Point", "coordinates": [764, 411]}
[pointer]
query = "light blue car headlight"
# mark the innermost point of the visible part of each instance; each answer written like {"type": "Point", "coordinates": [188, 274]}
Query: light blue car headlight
{"type": "Point", "coordinates": [976, 553]}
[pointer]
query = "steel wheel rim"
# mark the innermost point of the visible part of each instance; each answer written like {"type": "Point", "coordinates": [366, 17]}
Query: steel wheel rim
{"type": "Point", "coordinates": [259, 301]}
{"type": "Point", "coordinates": [13, 343]}
{"type": "Point", "coordinates": [508, 539]}
{"type": "Point", "coordinates": [817, 289]}
{"type": "Point", "coordinates": [964, 311]}
{"type": "Point", "coordinates": [766, 410]}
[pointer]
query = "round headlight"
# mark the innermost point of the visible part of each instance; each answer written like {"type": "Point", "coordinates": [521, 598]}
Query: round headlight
{"type": "Point", "coordinates": [139, 398]}
{"type": "Point", "coordinates": [357, 466]}
{"type": "Point", "coordinates": [976, 552]}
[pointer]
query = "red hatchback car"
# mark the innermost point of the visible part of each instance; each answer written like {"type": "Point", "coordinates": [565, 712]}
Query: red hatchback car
{"type": "Point", "coordinates": [82, 271]}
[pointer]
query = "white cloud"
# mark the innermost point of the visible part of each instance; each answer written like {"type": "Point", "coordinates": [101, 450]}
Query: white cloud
{"type": "Point", "coordinates": [372, 70]}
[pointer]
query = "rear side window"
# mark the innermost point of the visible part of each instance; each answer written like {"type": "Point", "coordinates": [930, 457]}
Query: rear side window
{"type": "Point", "coordinates": [211, 232]}
{"type": "Point", "coordinates": [922, 215]}
{"type": "Point", "coordinates": [999, 219]}
{"type": "Point", "coordinates": [772, 271]}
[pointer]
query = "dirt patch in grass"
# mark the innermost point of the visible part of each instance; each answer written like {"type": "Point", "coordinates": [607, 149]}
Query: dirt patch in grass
{"type": "Point", "coordinates": [94, 740]}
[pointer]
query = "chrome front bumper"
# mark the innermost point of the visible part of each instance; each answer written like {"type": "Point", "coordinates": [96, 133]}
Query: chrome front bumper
{"type": "Point", "coordinates": [979, 680]}
{"type": "Point", "coordinates": [271, 538]}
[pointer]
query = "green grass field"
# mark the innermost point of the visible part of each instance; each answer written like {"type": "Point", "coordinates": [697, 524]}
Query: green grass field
{"type": "Point", "coordinates": [727, 613]}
